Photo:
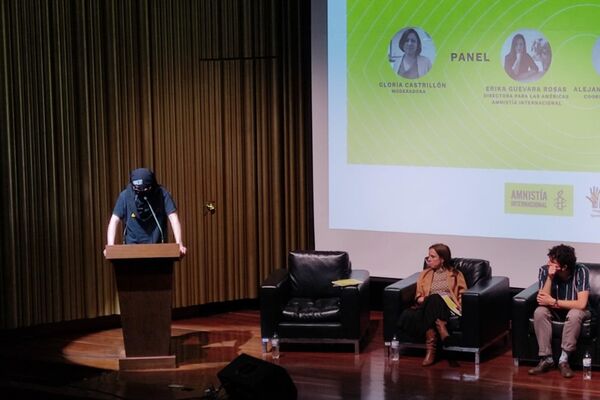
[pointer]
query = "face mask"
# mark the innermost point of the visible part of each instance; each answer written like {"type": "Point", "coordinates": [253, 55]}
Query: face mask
{"type": "Point", "coordinates": [141, 189]}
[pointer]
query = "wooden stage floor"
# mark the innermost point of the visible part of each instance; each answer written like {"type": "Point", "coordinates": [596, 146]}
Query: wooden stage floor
{"type": "Point", "coordinates": [86, 366]}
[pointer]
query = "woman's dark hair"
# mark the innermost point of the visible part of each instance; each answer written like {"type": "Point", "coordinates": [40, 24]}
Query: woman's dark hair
{"type": "Point", "coordinates": [443, 252]}
{"type": "Point", "coordinates": [404, 38]}
{"type": "Point", "coordinates": [514, 43]}
{"type": "Point", "coordinates": [564, 255]}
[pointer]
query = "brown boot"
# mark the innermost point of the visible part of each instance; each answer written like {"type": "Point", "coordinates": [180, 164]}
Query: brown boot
{"type": "Point", "coordinates": [430, 344]}
{"type": "Point", "coordinates": [442, 330]}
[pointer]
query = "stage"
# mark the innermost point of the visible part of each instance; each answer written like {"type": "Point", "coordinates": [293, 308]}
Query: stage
{"type": "Point", "coordinates": [71, 366]}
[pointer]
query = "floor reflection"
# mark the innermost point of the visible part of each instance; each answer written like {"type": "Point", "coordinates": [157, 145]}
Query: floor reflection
{"type": "Point", "coordinates": [209, 347]}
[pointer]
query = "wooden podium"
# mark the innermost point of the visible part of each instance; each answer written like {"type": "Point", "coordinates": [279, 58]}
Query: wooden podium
{"type": "Point", "coordinates": [144, 274]}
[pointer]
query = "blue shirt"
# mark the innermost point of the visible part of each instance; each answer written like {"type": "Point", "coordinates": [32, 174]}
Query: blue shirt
{"type": "Point", "coordinates": [579, 281]}
{"type": "Point", "coordinates": [139, 223]}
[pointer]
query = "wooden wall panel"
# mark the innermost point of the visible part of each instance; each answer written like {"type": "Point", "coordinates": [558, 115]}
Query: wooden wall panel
{"type": "Point", "coordinates": [211, 94]}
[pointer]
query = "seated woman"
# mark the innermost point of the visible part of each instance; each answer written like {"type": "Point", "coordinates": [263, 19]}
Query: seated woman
{"type": "Point", "coordinates": [428, 317]}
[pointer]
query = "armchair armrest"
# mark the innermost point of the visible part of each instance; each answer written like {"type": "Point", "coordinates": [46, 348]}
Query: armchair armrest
{"type": "Point", "coordinates": [397, 297]}
{"type": "Point", "coordinates": [274, 292]}
{"type": "Point", "coordinates": [355, 305]}
{"type": "Point", "coordinates": [523, 306]}
{"type": "Point", "coordinates": [485, 311]}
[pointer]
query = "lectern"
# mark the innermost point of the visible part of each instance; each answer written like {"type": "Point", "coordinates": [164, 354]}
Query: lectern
{"type": "Point", "coordinates": [144, 274]}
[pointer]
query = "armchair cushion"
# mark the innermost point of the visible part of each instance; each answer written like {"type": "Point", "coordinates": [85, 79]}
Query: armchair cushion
{"type": "Point", "coordinates": [311, 273]}
{"type": "Point", "coordinates": [312, 310]}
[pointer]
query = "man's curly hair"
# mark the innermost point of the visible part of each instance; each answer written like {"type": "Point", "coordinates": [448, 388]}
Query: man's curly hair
{"type": "Point", "coordinates": [564, 255]}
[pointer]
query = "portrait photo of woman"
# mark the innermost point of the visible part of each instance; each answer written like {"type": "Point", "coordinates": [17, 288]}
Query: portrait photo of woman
{"type": "Point", "coordinates": [407, 53]}
{"type": "Point", "coordinates": [523, 65]}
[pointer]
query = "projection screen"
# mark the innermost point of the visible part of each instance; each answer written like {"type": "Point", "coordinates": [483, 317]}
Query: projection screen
{"type": "Point", "coordinates": [472, 123]}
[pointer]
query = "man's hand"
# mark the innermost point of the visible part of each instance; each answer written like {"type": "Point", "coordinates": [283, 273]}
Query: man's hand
{"type": "Point", "coordinates": [182, 249]}
{"type": "Point", "coordinates": [544, 299]}
{"type": "Point", "coordinates": [553, 267]}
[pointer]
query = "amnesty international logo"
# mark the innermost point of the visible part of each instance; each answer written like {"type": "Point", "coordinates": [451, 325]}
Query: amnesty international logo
{"type": "Point", "coordinates": [539, 199]}
{"type": "Point", "coordinates": [594, 199]}
{"type": "Point", "coordinates": [560, 203]}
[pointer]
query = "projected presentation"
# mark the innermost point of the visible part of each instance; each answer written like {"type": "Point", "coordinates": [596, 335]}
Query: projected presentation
{"type": "Point", "coordinates": [465, 118]}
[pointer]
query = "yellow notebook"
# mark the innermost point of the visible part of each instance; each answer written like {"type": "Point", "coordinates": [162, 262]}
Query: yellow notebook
{"type": "Point", "coordinates": [346, 282]}
{"type": "Point", "coordinates": [451, 304]}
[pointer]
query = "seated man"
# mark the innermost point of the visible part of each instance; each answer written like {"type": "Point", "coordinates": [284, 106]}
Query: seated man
{"type": "Point", "coordinates": [564, 290]}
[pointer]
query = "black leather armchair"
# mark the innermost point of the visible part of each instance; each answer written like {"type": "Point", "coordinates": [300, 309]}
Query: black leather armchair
{"type": "Point", "coordinates": [524, 342]}
{"type": "Point", "coordinates": [485, 308]}
{"type": "Point", "coordinates": [302, 305]}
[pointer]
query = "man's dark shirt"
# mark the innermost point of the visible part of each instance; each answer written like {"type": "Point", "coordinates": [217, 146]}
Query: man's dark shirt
{"type": "Point", "coordinates": [579, 281]}
{"type": "Point", "coordinates": [139, 224]}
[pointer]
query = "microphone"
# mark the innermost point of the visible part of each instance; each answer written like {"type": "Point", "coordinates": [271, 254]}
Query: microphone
{"type": "Point", "coordinates": [162, 236]}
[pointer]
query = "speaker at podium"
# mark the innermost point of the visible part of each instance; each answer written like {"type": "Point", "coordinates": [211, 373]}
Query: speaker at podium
{"type": "Point", "coordinates": [249, 378]}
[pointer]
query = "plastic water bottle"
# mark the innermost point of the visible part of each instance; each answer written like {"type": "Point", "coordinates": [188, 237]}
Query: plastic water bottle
{"type": "Point", "coordinates": [587, 365]}
{"type": "Point", "coordinates": [275, 346]}
{"type": "Point", "coordinates": [395, 349]}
